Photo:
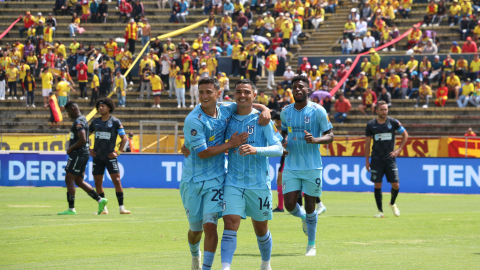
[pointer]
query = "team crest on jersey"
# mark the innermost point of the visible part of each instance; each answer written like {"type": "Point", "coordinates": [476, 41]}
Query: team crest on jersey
{"type": "Point", "coordinates": [307, 119]}
{"type": "Point", "coordinates": [389, 126]}
{"type": "Point", "coordinates": [250, 129]}
{"type": "Point", "coordinates": [110, 124]}
{"type": "Point", "coordinates": [193, 132]}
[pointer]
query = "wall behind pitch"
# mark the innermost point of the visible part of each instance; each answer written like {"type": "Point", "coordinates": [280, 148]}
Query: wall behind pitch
{"type": "Point", "coordinates": [420, 175]}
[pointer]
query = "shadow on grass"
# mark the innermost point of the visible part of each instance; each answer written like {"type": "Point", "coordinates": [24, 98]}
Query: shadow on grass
{"type": "Point", "coordinates": [45, 215]}
{"type": "Point", "coordinates": [273, 255]}
{"type": "Point", "coordinates": [351, 216]}
{"type": "Point", "coordinates": [476, 253]}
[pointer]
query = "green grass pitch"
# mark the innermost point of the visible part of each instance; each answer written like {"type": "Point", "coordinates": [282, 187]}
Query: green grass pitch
{"type": "Point", "coordinates": [433, 232]}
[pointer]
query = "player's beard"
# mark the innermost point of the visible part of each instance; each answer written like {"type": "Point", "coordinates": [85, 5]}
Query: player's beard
{"type": "Point", "coordinates": [300, 100]}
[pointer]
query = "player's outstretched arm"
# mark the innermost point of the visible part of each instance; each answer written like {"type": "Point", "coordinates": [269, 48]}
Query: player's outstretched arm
{"type": "Point", "coordinates": [235, 141]}
{"type": "Point", "coordinates": [327, 137]}
{"type": "Point", "coordinates": [265, 116]}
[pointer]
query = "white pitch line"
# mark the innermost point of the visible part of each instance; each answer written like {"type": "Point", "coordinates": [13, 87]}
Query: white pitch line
{"type": "Point", "coordinates": [19, 227]}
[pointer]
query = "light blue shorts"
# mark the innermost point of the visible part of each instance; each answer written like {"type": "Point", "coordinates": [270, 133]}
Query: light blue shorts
{"type": "Point", "coordinates": [202, 198]}
{"type": "Point", "coordinates": [255, 203]}
{"type": "Point", "coordinates": [307, 181]}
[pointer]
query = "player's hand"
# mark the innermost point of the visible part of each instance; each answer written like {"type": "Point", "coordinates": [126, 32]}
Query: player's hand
{"type": "Point", "coordinates": [113, 155]}
{"type": "Point", "coordinates": [264, 118]}
{"type": "Point", "coordinates": [285, 153]}
{"type": "Point", "coordinates": [367, 165]}
{"type": "Point", "coordinates": [238, 139]}
{"type": "Point", "coordinates": [69, 151]}
{"type": "Point", "coordinates": [92, 153]}
{"type": "Point", "coordinates": [185, 151]}
{"type": "Point", "coordinates": [247, 149]}
{"type": "Point", "coordinates": [309, 137]}
{"type": "Point", "coordinates": [394, 153]}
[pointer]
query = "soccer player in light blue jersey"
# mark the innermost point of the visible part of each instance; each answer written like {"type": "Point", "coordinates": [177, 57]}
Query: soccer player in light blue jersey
{"type": "Point", "coordinates": [308, 126]}
{"type": "Point", "coordinates": [247, 185]}
{"type": "Point", "coordinates": [203, 175]}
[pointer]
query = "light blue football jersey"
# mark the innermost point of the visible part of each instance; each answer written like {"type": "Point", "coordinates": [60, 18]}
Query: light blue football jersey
{"type": "Point", "coordinates": [202, 131]}
{"type": "Point", "coordinates": [251, 171]}
{"type": "Point", "coordinates": [313, 119]}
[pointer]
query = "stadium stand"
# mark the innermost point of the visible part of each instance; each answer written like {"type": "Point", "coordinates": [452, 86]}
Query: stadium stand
{"type": "Point", "coordinates": [324, 41]}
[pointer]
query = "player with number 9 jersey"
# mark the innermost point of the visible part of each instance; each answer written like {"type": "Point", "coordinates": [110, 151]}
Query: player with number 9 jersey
{"type": "Point", "coordinates": [304, 161]}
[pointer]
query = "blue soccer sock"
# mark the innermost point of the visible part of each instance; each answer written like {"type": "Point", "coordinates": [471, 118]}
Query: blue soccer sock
{"type": "Point", "coordinates": [312, 219]}
{"type": "Point", "coordinates": [298, 212]}
{"type": "Point", "coordinates": [195, 249]}
{"type": "Point", "coordinates": [229, 244]}
{"type": "Point", "coordinates": [208, 260]}
{"type": "Point", "coordinates": [265, 245]}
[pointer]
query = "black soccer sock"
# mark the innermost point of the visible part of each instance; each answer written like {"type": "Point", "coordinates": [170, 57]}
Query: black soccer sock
{"type": "Point", "coordinates": [299, 199]}
{"type": "Point", "coordinates": [71, 200]}
{"type": "Point", "coordinates": [94, 195]}
{"type": "Point", "coordinates": [102, 194]}
{"type": "Point", "coordinates": [378, 199]}
{"type": "Point", "coordinates": [317, 200]}
{"type": "Point", "coordinates": [120, 198]}
{"type": "Point", "coordinates": [394, 195]}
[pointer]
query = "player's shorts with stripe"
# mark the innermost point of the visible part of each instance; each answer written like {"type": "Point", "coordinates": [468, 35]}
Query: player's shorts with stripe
{"type": "Point", "coordinates": [99, 165]}
{"type": "Point", "coordinates": [76, 164]}
{"type": "Point", "coordinates": [202, 198]}
{"type": "Point", "coordinates": [255, 203]}
{"type": "Point", "coordinates": [387, 167]}
{"type": "Point", "coordinates": [307, 181]}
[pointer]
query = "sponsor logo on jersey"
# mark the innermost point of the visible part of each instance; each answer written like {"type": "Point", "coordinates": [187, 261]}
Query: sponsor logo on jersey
{"type": "Point", "coordinates": [383, 137]}
{"type": "Point", "coordinates": [290, 129]}
{"type": "Point", "coordinates": [103, 135]}
{"type": "Point", "coordinates": [211, 139]}
{"type": "Point", "coordinates": [193, 132]}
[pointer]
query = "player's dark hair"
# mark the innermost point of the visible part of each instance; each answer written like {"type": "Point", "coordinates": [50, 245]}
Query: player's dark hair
{"type": "Point", "coordinates": [276, 116]}
{"type": "Point", "coordinates": [246, 81]}
{"type": "Point", "coordinates": [210, 80]}
{"type": "Point", "coordinates": [106, 101]}
{"type": "Point", "coordinates": [70, 104]}
{"type": "Point", "coordinates": [300, 78]}
{"type": "Point", "coordinates": [380, 103]}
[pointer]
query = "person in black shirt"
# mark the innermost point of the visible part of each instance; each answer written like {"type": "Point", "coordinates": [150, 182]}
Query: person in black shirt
{"type": "Point", "coordinates": [77, 160]}
{"type": "Point", "coordinates": [107, 79]}
{"type": "Point", "coordinates": [106, 129]}
{"type": "Point", "coordinates": [3, 75]}
{"type": "Point", "coordinates": [382, 130]}
{"type": "Point", "coordinates": [102, 12]}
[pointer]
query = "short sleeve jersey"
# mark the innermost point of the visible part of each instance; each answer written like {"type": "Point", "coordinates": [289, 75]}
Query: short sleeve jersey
{"type": "Point", "coordinates": [202, 131]}
{"type": "Point", "coordinates": [251, 171]}
{"type": "Point", "coordinates": [383, 137]}
{"type": "Point", "coordinates": [106, 74]}
{"type": "Point", "coordinates": [106, 135]}
{"type": "Point", "coordinates": [79, 124]}
{"type": "Point", "coordinates": [312, 118]}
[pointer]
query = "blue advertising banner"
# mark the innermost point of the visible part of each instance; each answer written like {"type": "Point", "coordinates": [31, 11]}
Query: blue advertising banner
{"type": "Point", "coordinates": [418, 175]}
